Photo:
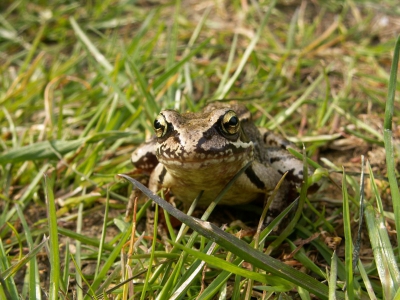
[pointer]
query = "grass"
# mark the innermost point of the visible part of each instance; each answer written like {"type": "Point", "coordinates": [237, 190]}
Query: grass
{"type": "Point", "coordinates": [80, 85]}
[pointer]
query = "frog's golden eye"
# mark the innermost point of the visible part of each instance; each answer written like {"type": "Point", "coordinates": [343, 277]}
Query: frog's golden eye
{"type": "Point", "coordinates": [230, 123]}
{"type": "Point", "coordinates": [160, 126]}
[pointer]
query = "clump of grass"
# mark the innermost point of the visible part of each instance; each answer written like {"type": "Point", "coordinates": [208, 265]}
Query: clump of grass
{"type": "Point", "coordinates": [79, 88]}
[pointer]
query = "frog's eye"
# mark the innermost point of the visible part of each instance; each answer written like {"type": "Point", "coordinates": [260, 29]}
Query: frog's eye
{"type": "Point", "coordinates": [160, 126]}
{"type": "Point", "coordinates": [230, 123]}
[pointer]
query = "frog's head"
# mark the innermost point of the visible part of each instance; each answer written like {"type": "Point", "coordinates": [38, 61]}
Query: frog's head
{"type": "Point", "coordinates": [193, 140]}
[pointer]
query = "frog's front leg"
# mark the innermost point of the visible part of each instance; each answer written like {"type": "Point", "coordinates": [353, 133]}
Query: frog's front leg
{"type": "Point", "coordinates": [281, 159]}
{"type": "Point", "coordinates": [262, 179]}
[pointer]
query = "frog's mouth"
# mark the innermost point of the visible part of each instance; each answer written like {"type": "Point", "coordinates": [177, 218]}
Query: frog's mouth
{"type": "Point", "coordinates": [201, 159]}
{"type": "Point", "coordinates": [204, 152]}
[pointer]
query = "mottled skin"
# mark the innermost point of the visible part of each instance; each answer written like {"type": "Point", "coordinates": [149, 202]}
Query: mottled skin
{"type": "Point", "coordinates": [203, 151]}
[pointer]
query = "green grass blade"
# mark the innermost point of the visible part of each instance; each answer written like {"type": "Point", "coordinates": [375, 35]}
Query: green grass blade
{"type": "Point", "coordinates": [100, 58]}
{"type": "Point", "coordinates": [80, 84]}
{"type": "Point", "coordinates": [386, 245]}
{"type": "Point", "coordinates": [228, 66]}
{"type": "Point", "coordinates": [224, 265]}
{"type": "Point", "coordinates": [164, 294]}
{"type": "Point", "coordinates": [249, 50]}
{"type": "Point", "coordinates": [172, 45]}
{"type": "Point", "coordinates": [34, 282]}
{"type": "Point", "coordinates": [217, 283]}
{"type": "Point", "coordinates": [333, 277]}
{"type": "Point", "coordinates": [388, 138]}
{"type": "Point", "coordinates": [57, 148]}
{"type": "Point", "coordinates": [195, 268]}
{"type": "Point", "coordinates": [16, 267]}
{"type": "Point", "coordinates": [84, 239]}
{"type": "Point", "coordinates": [103, 233]}
{"type": "Point", "coordinates": [366, 281]}
{"type": "Point", "coordinates": [8, 288]}
{"type": "Point", "coordinates": [196, 33]}
{"type": "Point", "coordinates": [357, 122]}
{"type": "Point", "coordinates": [78, 257]}
{"type": "Point", "coordinates": [174, 69]}
{"type": "Point", "coordinates": [324, 251]}
{"type": "Point", "coordinates": [348, 239]}
{"type": "Point", "coordinates": [382, 265]}
{"type": "Point", "coordinates": [285, 114]}
{"type": "Point", "coordinates": [302, 257]}
{"type": "Point", "coordinates": [150, 104]}
{"type": "Point", "coordinates": [34, 47]}
{"type": "Point", "coordinates": [109, 263]}
{"type": "Point", "coordinates": [55, 275]}
{"type": "Point", "coordinates": [24, 200]}
{"type": "Point", "coordinates": [40, 150]}
{"type": "Point", "coordinates": [153, 246]}
{"type": "Point", "coordinates": [146, 25]}
{"type": "Point", "coordinates": [292, 29]}
{"type": "Point", "coordinates": [239, 247]}
{"type": "Point", "coordinates": [66, 274]}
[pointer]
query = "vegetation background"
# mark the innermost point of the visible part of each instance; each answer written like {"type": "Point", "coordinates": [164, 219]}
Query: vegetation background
{"type": "Point", "coordinates": [81, 82]}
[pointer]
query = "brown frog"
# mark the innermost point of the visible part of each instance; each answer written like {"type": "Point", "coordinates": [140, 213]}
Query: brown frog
{"type": "Point", "coordinates": [193, 152]}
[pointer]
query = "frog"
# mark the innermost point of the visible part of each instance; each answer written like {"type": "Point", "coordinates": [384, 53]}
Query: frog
{"type": "Point", "coordinates": [195, 152]}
